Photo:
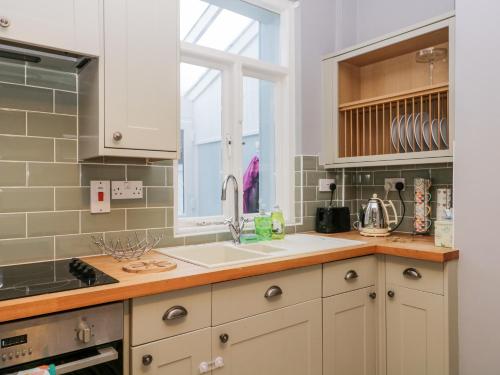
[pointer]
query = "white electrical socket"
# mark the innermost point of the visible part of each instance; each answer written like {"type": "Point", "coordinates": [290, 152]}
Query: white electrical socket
{"type": "Point", "coordinates": [324, 184]}
{"type": "Point", "coordinates": [126, 189]}
{"type": "Point", "coordinates": [391, 183]}
{"type": "Point", "coordinates": [99, 197]}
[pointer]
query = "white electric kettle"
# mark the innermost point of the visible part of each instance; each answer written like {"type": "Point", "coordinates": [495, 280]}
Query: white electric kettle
{"type": "Point", "coordinates": [375, 220]}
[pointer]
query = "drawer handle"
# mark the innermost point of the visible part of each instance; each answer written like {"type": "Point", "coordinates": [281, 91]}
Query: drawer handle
{"type": "Point", "coordinates": [350, 275]}
{"type": "Point", "coordinates": [176, 312]}
{"type": "Point", "coordinates": [391, 293]}
{"type": "Point", "coordinates": [4, 22]}
{"type": "Point", "coordinates": [224, 338]}
{"type": "Point", "coordinates": [273, 291]}
{"type": "Point", "coordinates": [412, 273]}
{"type": "Point", "coordinates": [372, 295]}
{"type": "Point", "coordinates": [147, 359]}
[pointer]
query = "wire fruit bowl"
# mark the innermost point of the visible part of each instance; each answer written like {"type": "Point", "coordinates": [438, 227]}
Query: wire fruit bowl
{"type": "Point", "coordinates": [132, 248]}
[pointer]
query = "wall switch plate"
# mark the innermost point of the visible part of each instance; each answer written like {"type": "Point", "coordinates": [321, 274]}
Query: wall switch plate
{"type": "Point", "coordinates": [391, 183]}
{"type": "Point", "coordinates": [126, 189]}
{"type": "Point", "coordinates": [99, 197]}
{"type": "Point", "coordinates": [324, 184]}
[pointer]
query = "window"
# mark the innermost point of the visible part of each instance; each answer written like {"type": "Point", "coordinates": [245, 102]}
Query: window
{"type": "Point", "coordinates": [236, 80]}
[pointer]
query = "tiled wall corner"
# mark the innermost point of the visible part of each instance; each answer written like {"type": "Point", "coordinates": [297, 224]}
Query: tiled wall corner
{"type": "Point", "coordinates": [308, 198]}
{"type": "Point", "coordinates": [358, 185]}
{"type": "Point", "coordinates": [371, 180]}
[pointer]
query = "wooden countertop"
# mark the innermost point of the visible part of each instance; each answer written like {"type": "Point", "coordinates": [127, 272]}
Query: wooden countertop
{"type": "Point", "coordinates": [187, 275]}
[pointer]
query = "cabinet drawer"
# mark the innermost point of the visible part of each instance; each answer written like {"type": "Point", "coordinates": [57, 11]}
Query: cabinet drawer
{"type": "Point", "coordinates": [165, 315]}
{"type": "Point", "coordinates": [415, 274]}
{"type": "Point", "coordinates": [350, 274]}
{"type": "Point", "coordinates": [179, 355]}
{"type": "Point", "coordinates": [237, 299]}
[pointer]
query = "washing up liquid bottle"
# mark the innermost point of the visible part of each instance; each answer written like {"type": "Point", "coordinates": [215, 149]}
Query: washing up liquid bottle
{"type": "Point", "coordinates": [278, 222]}
{"type": "Point", "coordinates": [263, 226]}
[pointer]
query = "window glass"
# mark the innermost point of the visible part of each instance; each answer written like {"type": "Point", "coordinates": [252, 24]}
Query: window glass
{"type": "Point", "coordinates": [200, 166]}
{"type": "Point", "coordinates": [259, 185]}
{"type": "Point", "coordinates": [233, 26]}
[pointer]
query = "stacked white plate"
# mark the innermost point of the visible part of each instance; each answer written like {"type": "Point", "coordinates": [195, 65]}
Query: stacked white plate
{"type": "Point", "coordinates": [406, 132]}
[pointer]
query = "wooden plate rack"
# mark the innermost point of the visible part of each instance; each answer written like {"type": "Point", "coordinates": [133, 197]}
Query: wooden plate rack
{"type": "Point", "coordinates": [365, 125]}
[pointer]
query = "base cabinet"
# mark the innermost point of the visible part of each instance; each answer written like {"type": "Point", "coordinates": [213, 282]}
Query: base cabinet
{"type": "Point", "coordinates": [402, 320]}
{"type": "Point", "coordinates": [415, 332]}
{"type": "Point", "coordinates": [179, 355]}
{"type": "Point", "coordinates": [287, 341]}
{"type": "Point", "coordinates": [349, 333]}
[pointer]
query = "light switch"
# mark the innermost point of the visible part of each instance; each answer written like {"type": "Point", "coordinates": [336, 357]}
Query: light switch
{"type": "Point", "coordinates": [100, 197]}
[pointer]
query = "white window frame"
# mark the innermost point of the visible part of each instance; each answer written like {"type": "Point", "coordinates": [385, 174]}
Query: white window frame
{"type": "Point", "coordinates": [234, 68]}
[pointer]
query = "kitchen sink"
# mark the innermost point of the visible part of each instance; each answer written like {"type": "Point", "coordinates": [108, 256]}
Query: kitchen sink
{"type": "Point", "coordinates": [223, 254]}
{"type": "Point", "coordinates": [262, 248]}
{"type": "Point", "coordinates": [213, 254]}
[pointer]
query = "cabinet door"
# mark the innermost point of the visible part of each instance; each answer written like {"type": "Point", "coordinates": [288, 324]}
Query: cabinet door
{"type": "Point", "coordinates": [415, 332]}
{"type": "Point", "coordinates": [71, 25]}
{"type": "Point", "coordinates": [349, 333]}
{"type": "Point", "coordinates": [141, 74]}
{"type": "Point", "coordinates": [179, 355]}
{"type": "Point", "coordinates": [284, 342]}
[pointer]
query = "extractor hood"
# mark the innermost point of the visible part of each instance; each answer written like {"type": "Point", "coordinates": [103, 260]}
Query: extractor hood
{"type": "Point", "coordinates": [42, 58]}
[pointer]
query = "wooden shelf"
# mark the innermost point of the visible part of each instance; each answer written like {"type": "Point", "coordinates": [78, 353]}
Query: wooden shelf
{"type": "Point", "coordinates": [402, 95]}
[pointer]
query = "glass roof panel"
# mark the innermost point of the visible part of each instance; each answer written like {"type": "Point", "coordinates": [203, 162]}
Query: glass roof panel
{"type": "Point", "coordinates": [190, 75]}
{"type": "Point", "coordinates": [227, 27]}
{"type": "Point", "coordinates": [191, 11]}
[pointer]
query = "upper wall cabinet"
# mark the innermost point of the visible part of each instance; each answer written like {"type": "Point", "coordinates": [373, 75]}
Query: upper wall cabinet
{"type": "Point", "coordinates": [391, 101]}
{"type": "Point", "coordinates": [68, 25]}
{"type": "Point", "coordinates": [129, 99]}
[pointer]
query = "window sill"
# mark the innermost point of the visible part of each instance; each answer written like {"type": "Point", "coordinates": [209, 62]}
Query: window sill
{"type": "Point", "coordinates": [200, 230]}
{"type": "Point", "coordinates": [193, 231]}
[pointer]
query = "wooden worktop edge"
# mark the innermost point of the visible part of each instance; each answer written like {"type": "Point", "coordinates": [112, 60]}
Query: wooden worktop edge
{"type": "Point", "coordinates": [50, 303]}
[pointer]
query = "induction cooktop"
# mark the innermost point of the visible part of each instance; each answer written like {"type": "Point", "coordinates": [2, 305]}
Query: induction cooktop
{"type": "Point", "coordinates": [33, 279]}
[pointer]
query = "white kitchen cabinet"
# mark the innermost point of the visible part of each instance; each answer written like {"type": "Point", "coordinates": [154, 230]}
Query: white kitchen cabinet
{"type": "Point", "coordinates": [383, 107]}
{"type": "Point", "coordinates": [421, 317]}
{"type": "Point", "coordinates": [415, 332]}
{"type": "Point", "coordinates": [285, 341]}
{"type": "Point", "coordinates": [129, 99]}
{"type": "Point", "coordinates": [68, 25]}
{"type": "Point", "coordinates": [349, 333]}
{"type": "Point", "coordinates": [397, 316]}
{"type": "Point", "coordinates": [179, 355]}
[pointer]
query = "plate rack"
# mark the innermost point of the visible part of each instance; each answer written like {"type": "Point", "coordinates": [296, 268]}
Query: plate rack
{"type": "Point", "coordinates": [397, 123]}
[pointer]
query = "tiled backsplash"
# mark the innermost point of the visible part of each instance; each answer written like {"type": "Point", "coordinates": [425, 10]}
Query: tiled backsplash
{"type": "Point", "coordinates": [361, 183]}
{"type": "Point", "coordinates": [44, 190]}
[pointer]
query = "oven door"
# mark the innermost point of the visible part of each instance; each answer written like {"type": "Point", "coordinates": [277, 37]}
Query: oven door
{"type": "Point", "coordinates": [102, 360]}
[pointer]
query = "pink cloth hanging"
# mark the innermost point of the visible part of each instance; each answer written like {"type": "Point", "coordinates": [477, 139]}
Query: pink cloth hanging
{"type": "Point", "coordinates": [251, 186]}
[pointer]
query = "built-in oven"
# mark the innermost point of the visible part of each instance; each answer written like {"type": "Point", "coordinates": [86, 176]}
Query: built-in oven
{"type": "Point", "coordinates": [79, 342]}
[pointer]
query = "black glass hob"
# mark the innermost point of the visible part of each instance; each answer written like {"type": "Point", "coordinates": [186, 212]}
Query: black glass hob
{"type": "Point", "coordinates": [48, 277]}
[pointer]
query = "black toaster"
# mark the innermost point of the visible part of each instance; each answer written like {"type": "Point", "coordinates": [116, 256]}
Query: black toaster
{"type": "Point", "coordinates": [333, 219]}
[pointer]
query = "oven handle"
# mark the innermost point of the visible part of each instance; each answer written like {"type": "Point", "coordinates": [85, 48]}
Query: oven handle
{"type": "Point", "coordinates": [107, 354]}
